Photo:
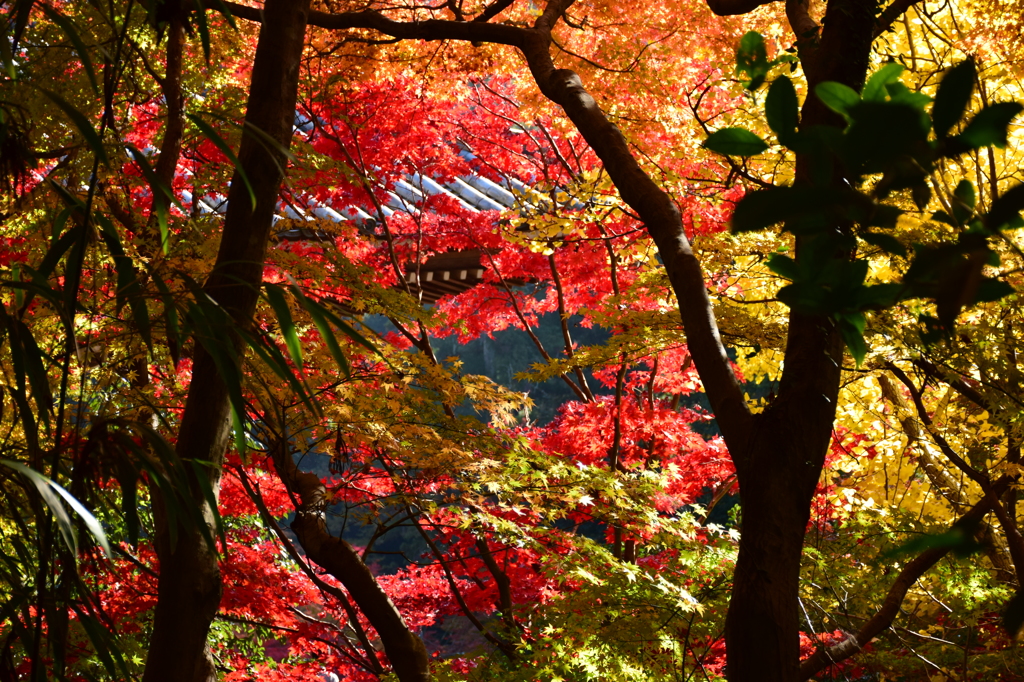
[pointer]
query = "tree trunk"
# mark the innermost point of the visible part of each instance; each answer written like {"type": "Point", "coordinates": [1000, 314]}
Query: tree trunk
{"type": "Point", "coordinates": [778, 470]}
{"type": "Point", "coordinates": [189, 585]}
{"type": "Point", "coordinates": [780, 460]}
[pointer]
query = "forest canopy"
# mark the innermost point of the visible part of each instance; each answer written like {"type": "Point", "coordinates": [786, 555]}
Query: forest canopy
{"type": "Point", "coordinates": [510, 341]}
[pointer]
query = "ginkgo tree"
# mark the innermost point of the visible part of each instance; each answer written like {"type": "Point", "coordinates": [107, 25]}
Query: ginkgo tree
{"type": "Point", "coordinates": [148, 339]}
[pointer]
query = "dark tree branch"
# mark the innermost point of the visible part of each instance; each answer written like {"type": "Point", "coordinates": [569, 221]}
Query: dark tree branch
{"type": "Point", "coordinates": [891, 13]}
{"type": "Point", "coordinates": [493, 10]}
{"type": "Point", "coordinates": [826, 657]}
{"type": "Point", "coordinates": [803, 26]}
{"type": "Point", "coordinates": [404, 649]}
{"type": "Point", "coordinates": [731, 8]}
{"type": "Point", "coordinates": [370, 663]}
{"type": "Point", "coordinates": [972, 473]}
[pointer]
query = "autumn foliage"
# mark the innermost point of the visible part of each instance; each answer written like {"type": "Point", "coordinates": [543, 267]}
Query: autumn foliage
{"type": "Point", "coordinates": [570, 508]}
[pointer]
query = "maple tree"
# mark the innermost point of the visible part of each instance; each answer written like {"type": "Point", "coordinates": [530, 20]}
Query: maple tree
{"type": "Point", "coordinates": [152, 343]}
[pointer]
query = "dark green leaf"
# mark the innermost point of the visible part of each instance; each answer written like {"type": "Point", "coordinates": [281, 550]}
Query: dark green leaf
{"type": "Point", "coordinates": [735, 142]}
{"type": "Point", "coordinates": [752, 59]}
{"type": "Point", "coordinates": [964, 201]}
{"type": "Point", "coordinates": [781, 108]}
{"type": "Point", "coordinates": [128, 478]}
{"type": "Point", "coordinates": [884, 215]}
{"type": "Point", "coordinates": [784, 266]}
{"type": "Point", "coordinates": [162, 195]}
{"type": "Point", "coordinates": [989, 126]}
{"type": "Point", "coordinates": [173, 331]}
{"type": "Point", "coordinates": [23, 343]}
{"type": "Point", "coordinates": [106, 648]}
{"type": "Point", "coordinates": [958, 539]}
{"type": "Point", "coordinates": [804, 209]}
{"type": "Point", "coordinates": [992, 290]}
{"type": "Point", "coordinates": [276, 298]}
{"type": "Point", "coordinates": [953, 96]}
{"type": "Point", "coordinates": [221, 7]}
{"type": "Point", "coordinates": [901, 94]}
{"type": "Point", "coordinates": [20, 11]}
{"type": "Point", "coordinates": [52, 494]}
{"type": "Point", "coordinates": [1006, 209]}
{"type": "Point", "coordinates": [45, 487]}
{"type": "Point", "coordinates": [202, 472]}
{"type": "Point", "coordinates": [886, 242]}
{"type": "Point", "coordinates": [851, 328]}
{"type": "Point", "coordinates": [203, 27]}
{"type": "Point", "coordinates": [316, 312]}
{"type": "Point", "coordinates": [922, 194]}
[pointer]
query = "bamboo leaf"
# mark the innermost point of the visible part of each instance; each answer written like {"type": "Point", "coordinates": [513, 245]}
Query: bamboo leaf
{"type": "Point", "coordinates": [276, 298]}
{"type": "Point", "coordinates": [52, 493]}
{"type": "Point", "coordinates": [225, 149]}
{"type": "Point", "coordinates": [162, 195]}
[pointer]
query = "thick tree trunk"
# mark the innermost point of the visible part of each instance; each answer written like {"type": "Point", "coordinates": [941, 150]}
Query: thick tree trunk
{"type": "Point", "coordinates": [784, 454]}
{"type": "Point", "coordinates": [189, 584]}
{"type": "Point", "coordinates": [778, 470]}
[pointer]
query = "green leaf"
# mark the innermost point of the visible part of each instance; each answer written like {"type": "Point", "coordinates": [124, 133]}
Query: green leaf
{"type": "Point", "coordinates": [752, 60]}
{"type": "Point", "coordinates": [316, 312]}
{"type": "Point", "coordinates": [203, 28]}
{"type": "Point", "coordinates": [837, 97]}
{"type": "Point", "coordinates": [990, 289]}
{"type": "Point", "coordinates": [127, 281]}
{"type": "Point", "coordinates": [784, 266]}
{"type": "Point", "coordinates": [202, 475]}
{"type": "Point", "coordinates": [781, 108]}
{"type": "Point", "coordinates": [803, 209]}
{"type": "Point", "coordinates": [735, 142]}
{"type": "Point", "coordinates": [851, 328]}
{"type": "Point", "coordinates": [276, 298]}
{"type": "Point", "coordinates": [964, 200]}
{"type": "Point", "coordinates": [225, 149]}
{"type": "Point", "coordinates": [959, 539]}
{"type": "Point", "coordinates": [30, 359]}
{"type": "Point", "coordinates": [921, 192]}
{"type": "Point", "coordinates": [990, 125]}
{"type": "Point", "coordinates": [875, 89]}
{"type": "Point", "coordinates": [221, 7]}
{"type": "Point", "coordinates": [275, 360]}
{"type": "Point", "coordinates": [103, 643]}
{"type": "Point", "coordinates": [173, 331]}
{"type": "Point", "coordinates": [953, 97]}
{"type": "Point", "coordinates": [944, 218]}
{"type": "Point", "coordinates": [52, 493]}
{"type": "Point", "coordinates": [92, 138]}
{"type": "Point", "coordinates": [1005, 211]}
